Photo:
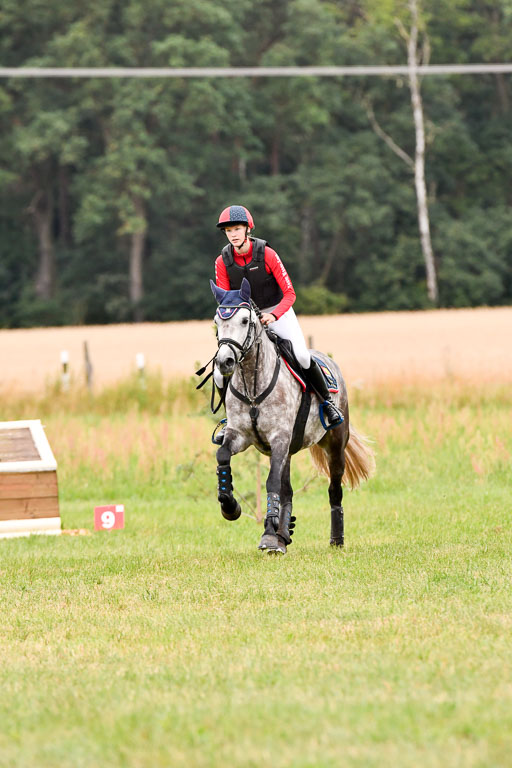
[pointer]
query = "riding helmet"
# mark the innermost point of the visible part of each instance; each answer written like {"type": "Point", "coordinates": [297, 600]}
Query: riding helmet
{"type": "Point", "coordinates": [235, 214]}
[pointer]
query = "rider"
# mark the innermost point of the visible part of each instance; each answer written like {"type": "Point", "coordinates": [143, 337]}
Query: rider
{"type": "Point", "coordinates": [272, 291]}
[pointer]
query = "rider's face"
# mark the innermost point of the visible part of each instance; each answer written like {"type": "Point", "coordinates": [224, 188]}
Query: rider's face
{"type": "Point", "coordinates": [235, 234]}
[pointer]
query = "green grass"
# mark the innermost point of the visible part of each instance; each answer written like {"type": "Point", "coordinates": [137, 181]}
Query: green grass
{"type": "Point", "coordinates": [176, 643]}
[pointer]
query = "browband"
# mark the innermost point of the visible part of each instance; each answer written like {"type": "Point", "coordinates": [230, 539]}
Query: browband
{"type": "Point", "coordinates": [226, 312]}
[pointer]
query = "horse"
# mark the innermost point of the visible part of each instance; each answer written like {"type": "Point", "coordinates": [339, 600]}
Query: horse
{"type": "Point", "coordinates": [263, 399]}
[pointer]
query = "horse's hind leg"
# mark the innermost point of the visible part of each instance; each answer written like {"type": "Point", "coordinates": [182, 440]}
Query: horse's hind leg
{"type": "Point", "coordinates": [337, 524]}
{"type": "Point", "coordinates": [336, 461]}
{"type": "Point", "coordinates": [286, 521]}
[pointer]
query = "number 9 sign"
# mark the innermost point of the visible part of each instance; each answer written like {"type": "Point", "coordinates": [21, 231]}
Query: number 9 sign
{"type": "Point", "coordinates": [109, 518]}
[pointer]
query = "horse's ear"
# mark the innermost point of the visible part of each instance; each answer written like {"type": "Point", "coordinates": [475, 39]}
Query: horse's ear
{"type": "Point", "coordinates": [245, 289]}
{"type": "Point", "coordinates": [219, 293]}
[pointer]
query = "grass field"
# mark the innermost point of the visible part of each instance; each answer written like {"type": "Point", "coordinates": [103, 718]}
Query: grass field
{"type": "Point", "coordinates": [176, 643]}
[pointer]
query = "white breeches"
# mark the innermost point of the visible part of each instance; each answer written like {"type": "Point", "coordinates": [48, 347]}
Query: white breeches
{"type": "Point", "coordinates": [287, 327]}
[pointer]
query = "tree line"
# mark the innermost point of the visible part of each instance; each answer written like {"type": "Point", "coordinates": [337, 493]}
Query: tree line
{"type": "Point", "coordinates": [111, 188]}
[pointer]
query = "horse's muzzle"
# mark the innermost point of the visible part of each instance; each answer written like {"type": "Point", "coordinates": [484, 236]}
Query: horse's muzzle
{"type": "Point", "coordinates": [227, 365]}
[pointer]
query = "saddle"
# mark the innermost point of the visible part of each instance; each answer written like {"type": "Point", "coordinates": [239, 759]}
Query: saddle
{"type": "Point", "coordinates": [286, 351]}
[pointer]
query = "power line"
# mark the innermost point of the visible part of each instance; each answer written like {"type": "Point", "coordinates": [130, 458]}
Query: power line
{"type": "Point", "coordinates": [174, 72]}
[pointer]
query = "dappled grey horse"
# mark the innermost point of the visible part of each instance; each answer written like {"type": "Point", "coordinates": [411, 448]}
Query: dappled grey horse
{"type": "Point", "coordinates": [267, 407]}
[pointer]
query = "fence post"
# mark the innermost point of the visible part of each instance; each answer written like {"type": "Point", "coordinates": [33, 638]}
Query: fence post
{"type": "Point", "coordinates": [89, 371]}
{"type": "Point", "coordinates": [64, 376]}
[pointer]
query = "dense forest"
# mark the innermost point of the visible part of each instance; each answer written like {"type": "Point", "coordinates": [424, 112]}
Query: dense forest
{"type": "Point", "coordinates": [111, 188]}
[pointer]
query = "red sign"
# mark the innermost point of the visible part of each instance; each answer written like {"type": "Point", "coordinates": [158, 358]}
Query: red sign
{"type": "Point", "coordinates": [109, 518]}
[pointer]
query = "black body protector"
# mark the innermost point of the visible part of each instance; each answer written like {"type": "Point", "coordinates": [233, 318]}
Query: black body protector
{"type": "Point", "coordinates": [265, 290]}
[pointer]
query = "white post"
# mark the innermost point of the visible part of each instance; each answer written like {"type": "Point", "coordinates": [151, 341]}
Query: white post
{"type": "Point", "coordinates": [141, 367]}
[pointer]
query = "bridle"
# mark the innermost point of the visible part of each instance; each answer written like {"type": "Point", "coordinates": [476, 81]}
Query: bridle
{"type": "Point", "coordinates": [226, 312]}
{"type": "Point", "coordinates": [240, 351]}
{"type": "Point", "coordinates": [252, 400]}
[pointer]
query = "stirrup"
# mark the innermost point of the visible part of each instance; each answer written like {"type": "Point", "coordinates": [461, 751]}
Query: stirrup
{"type": "Point", "coordinates": [336, 423]}
{"type": "Point", "coordinates": [218, 439]}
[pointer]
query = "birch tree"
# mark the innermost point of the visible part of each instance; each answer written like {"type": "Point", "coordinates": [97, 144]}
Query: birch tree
{"type": "Point", "coordinates": [415, 57]}
{"type": "Point", "coordinates": [411, 38]}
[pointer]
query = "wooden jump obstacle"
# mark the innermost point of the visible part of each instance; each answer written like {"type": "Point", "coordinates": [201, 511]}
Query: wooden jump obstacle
{"type": "Point", "coordinates": [29, 496]}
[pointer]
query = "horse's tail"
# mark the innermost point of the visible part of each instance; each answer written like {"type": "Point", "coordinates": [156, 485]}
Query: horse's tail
{"type": "Point", "coordinates": [359, 459]}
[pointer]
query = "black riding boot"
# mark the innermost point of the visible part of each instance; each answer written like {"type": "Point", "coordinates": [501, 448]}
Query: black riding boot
{"type": "Point", "coordinates": [331, 412]}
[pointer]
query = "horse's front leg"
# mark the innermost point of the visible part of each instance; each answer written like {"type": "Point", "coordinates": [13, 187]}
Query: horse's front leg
{"type": "Point", "coordinates": [233, 443]}
{"type": "Point", "coordinates": [269, 540]}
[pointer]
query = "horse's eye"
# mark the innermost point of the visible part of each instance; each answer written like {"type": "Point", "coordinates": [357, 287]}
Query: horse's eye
{"type": "Point", "coordinates": [245, 321]}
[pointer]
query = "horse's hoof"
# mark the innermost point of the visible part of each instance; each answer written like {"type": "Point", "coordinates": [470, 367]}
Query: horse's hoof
{"type": "Point", "coordinates": [336, 543]}
{"type": "Point", "coordinates": [281, 546]}
{"type": "Point", "coordinates": [281, 550]}
{"type": "Point", "coordinates": [232, 515]}
{"type": "Point", "coordinates": [268, 542]}
{"type": "Point", "coordinates": [229, 507]}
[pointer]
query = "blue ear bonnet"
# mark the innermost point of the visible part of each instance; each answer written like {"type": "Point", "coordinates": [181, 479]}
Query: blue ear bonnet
{"type": "Point", "coordinates": [231, 303]}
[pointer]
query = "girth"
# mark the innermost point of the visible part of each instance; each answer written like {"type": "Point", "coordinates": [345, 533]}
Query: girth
{"type": "Point", "coordinates": [300, 422]}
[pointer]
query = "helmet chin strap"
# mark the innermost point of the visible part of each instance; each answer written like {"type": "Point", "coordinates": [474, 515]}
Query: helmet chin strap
{"type": "Point", "coordinates": [246, 237]}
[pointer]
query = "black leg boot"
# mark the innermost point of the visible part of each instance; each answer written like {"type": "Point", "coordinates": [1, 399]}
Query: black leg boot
{"type": "Point", "coordinates": [332, 414]}
{"type": "Point", "coordinates": [269, 540]}
{"type": "Point", "coordinates": [286, 526]}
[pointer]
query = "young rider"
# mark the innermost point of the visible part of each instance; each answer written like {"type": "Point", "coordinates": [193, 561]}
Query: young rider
{"type": "Point", "coordinates": [271, 290]}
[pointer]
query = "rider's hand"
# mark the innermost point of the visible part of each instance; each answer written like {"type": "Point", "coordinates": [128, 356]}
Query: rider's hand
{"type": "Point", "coordinates": [267, 318]}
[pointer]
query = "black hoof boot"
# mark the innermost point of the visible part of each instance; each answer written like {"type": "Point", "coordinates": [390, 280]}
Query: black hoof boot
{"type": "Point", "coordinates": [229, 506]}
{"type": "Point", "coordinates": [286, 528]}
{"type": "Point", "coordinates": [269, 542]}
{"type": "Point", "coordinates": [337, 530]}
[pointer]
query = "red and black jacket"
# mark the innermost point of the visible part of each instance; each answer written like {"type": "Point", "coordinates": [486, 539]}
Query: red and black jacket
{"type": "Point", "coordinates": [270, 284]}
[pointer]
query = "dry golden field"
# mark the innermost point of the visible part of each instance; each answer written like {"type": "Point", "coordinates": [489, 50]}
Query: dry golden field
{"type": "Point", "coordinates": [407, 346]}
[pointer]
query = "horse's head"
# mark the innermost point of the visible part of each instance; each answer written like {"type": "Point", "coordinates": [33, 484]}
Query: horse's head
{"type": "Point", "coordinates": [237, 325]}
